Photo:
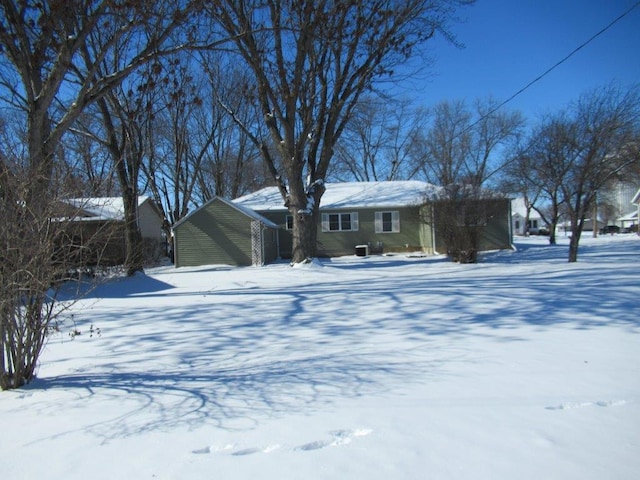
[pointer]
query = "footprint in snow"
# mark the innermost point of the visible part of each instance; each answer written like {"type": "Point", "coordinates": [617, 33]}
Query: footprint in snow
{"type": "Point", "coordinates": [338, 437]}
{"type": "Point", "coordinates": [317, 445]}
{"type": "Point", "coordinates": [245, 451]}
{"type": "Point", "coordinates": [601, 403]}
{"type": "Point", "coordinates": [201, 451]}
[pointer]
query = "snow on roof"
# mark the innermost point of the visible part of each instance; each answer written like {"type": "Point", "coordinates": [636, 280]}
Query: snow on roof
{"type": "Point", "coordinates": [629, 217]}
{"type": "Point", "coordinates": [349, 195]}
{"type": "Point", "coordinates": [518, 207]}
{"type": "Point", "coordinates": [102, 208]}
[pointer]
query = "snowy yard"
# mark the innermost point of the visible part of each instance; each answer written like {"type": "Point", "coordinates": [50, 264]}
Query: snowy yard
{"type": "Point", "coordinates": [389, 367]}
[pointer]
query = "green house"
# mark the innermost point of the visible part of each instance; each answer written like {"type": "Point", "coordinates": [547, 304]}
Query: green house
{"type": "Point", "coordinates": [376, 217]}
{"type": "Point", "coordinates": [359, 218]}
{"type": "Point", "coordinates": [221, 232]}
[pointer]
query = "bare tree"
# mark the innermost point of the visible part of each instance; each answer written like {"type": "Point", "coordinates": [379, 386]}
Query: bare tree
{"type": "Point", "coordinates": [233, 166]}
{"type": "Point", "coordinates": [25, 308]}
{"type": "Point", "coordinates": [461, 217]}
{"type": "Point", "coordinates": [39, 253]}
{"type": "Point", "coordinates": [464, 151]}
{"type": "Point", "coordinates": [377, 140]}
{"type": "Point", "coordinates": [465, 146]}
{"type": "Point", "coordinates": [169, 164]}
{"type": "Point", "coordinates": [88, 162]}
{"type": "Point", "coordinates": [51, 56]}
{"type": "Point", "coordinates": [311, 63]}
{"type": "Point", "coordinates": [515, 182]}
{"type": "Point", "coordinates": [440, 153]}
{"type": "Point", "coordinates": [604, 122]}
{"type": "Point", "coordinates": [573, 154]}
{"type": "Point", "coordinates": [543, 167]}
{"type": "Point", "coordinates": [195, 149]}
{"type": "Point", "coordinates": [42, 43]}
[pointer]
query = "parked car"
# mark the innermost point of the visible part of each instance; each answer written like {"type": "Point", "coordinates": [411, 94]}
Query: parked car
{"type": "Point", "coordinates": [610, 229]}
{"type": "Point", "coordinates": [630, 229]}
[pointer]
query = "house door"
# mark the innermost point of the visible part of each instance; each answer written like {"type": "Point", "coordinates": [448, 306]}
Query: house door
{"type": "Point", "coordinates": [256, 244]}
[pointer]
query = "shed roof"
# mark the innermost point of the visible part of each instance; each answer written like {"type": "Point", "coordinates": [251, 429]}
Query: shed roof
{"type": "Point", "coordinates": [242, 209]}
{"type": "Point", "coordinates": [349, 195]}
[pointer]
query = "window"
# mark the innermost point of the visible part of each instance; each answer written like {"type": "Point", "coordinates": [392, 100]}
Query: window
{"type": "Point", "coordinates": [289, 222]}
{"type": "Point", "coordinates": [339, 222]}
{"type": "Point", "coordinates": [387, 222]}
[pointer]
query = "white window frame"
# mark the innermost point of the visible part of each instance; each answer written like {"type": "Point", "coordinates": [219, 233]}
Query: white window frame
{"type": "Point", "coordinates": [395, 221]}
{"type": "Point", "coordinates": [353, 222]}
{"type": "Point", "coordinates": [288, 222]}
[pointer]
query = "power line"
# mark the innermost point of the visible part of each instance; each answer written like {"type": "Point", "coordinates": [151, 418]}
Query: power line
{"type": "Point", "coordinates": [557, 64]}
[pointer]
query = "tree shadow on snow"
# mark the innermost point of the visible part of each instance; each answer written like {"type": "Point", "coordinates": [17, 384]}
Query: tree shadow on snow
{"type": "Point", "coordinates": [230, 398]}
{"type": "Point", "coordinates": [236, 356]}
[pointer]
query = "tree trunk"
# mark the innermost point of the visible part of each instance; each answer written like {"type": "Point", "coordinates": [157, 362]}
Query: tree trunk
{"type": "Point", "coordinates": [40, 160]}
{"type": "Point", "coordinates": [573, 247]}
{"type": "Point", "coordinates": [134, 254]}
{"type": "Point", "coordinates": [574, 241]}
{"type": "Point", "coordinates": [552, 232]}
{"type": "Point", "coordinates": [305, 237]}
{"type": "Point", "coordinates": [304, 205]}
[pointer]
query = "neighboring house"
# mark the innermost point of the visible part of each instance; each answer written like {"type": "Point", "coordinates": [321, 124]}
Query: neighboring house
{"type": "Point", "coordinates": [519, 223]}
{"type": "Point", "coordinates": [636, 201]}
{"type": "Point", "coordinates": [588, 225]}
{"type": "Point", "coordinates": [628, 221]}
{"type": "Point", "coordinates": [614, 202]}
{"type": "Point", "coordinates": [221, 232]}
{"type": "Point", "coordinates": [97, 225]}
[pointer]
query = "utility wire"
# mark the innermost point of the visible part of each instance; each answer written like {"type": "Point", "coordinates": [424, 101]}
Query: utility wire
{"type": "Point", "coordinates": [556, 65]}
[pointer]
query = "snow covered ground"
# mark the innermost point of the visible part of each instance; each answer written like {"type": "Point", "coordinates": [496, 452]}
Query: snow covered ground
{"type": "Point", "coordinates": [521, 367]}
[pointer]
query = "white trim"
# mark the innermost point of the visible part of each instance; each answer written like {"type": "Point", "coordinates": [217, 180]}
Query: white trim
{"type": "Point", "coordinates": [395, 221]}
{"type": "Point", "coordinates": [354, 224]}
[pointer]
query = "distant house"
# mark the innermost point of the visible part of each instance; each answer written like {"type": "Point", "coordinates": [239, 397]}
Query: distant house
{"type": "Point", "coordinates": [222, 232]}
{"type": "Point", "coordinates": [636, 201]}
{"type": "Point", "coordinates": [519, 222]}
{"type": "Point", "coordinates": [97, 226]}
{"type": "Point", "coordinates": [615, 202]}
{"type": "Point", "coordinates": [588, 225]}
{"type": "Point", "coordinates": [628, 221]}
{"type": "Point", "coordinates": [369, 217]}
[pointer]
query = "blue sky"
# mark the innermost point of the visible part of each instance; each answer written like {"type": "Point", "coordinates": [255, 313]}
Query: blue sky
{"type": "Point", "coordinates": [508, 43]}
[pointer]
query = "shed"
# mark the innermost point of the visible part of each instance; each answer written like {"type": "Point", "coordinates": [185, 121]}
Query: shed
{"type": "Point", "coordinates": [221, 232]}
